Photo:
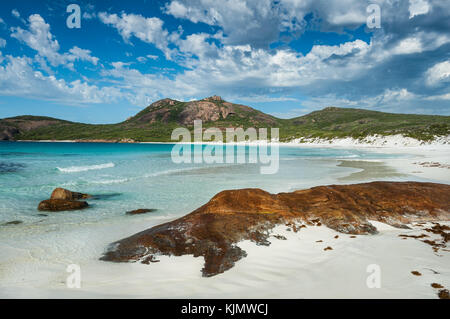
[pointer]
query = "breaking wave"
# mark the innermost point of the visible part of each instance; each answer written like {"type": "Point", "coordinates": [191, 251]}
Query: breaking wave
{"type": "Point", "coordinates": [76, 169]}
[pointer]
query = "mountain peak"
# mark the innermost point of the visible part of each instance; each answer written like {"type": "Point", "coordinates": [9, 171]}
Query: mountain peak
{"type": "Point", "coordinates": [209, 109]}
{"type": "Point", "coordinates": [214, 98]}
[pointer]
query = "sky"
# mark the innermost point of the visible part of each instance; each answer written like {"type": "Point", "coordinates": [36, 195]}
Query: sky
{"type": "Point", "coordinates": [283, 57]}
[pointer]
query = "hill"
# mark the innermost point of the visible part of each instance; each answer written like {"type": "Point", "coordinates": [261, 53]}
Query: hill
{"type": "Point", "coordinates": [358, 123]}
{"type": "Point", "coordinates": [157, 121]}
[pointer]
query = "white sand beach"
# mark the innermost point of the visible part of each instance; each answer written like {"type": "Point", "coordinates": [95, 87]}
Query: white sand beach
{"type": "Point", "coordinates": [298, 267]}
{"type": "Point", "coordinates": [437, 151]}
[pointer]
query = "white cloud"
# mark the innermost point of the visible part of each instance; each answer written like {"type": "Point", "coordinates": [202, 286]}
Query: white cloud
{"type": "Point", "coordinates": [82, 54]}
{"type": "Point", "coordinates": [15, 13]}
{"type": "Point", "coordinates": [249, 21]}
{"type": "Point", "coordinates": [39, 38]}
{"type": "Point", "coordinates": [418, 7]}
{"type": "Point", "coordinates": [18, 78]}
{"type": "Point", "coordinates": [265, 98]}
{"type": "Point", "coordinates": [149, 30]}
{"type": "Point", "coordinates": [391, 100]}
{"type": "Point", "coordinates": [89, 15]}
{"type": "Point", "coordinates": [235, 71]}
{"type": "Point", "coordinates": [408, 46]}
{"type": "Point", "coordinates": [2, 43]}
{"type": "Point", "coordinates": [439, 73]}
{"type": "Point", "coordinates": [259, 22]}
{"type": "Point", "coordinates": [438, 97]}
{"type": "Point", "coordinates": [142, 89]}
{"type": "Point", "coordinates": [390, 95]}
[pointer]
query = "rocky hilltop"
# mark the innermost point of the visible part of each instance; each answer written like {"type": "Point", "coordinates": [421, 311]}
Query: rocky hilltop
{"type": "Point", "coordinates": [212, 109]}
{"type": "Point", "coordinates": [215, 229]}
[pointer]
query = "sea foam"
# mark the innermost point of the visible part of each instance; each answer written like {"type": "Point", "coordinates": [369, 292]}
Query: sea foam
{"type": "Point", "coordinates": [76, 169]}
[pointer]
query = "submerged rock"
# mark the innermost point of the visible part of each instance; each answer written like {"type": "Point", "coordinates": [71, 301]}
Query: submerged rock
{"type": "Point", "coordinates": [14, 222]}
{"type": "Point", "coordinates": [57, 205]}
{"type": "Point", "coordinates": [61, 193]}
{"type": "Point", "coordinates": [214, 230]}
{"type": "Point", "coordinates": [140, 211]}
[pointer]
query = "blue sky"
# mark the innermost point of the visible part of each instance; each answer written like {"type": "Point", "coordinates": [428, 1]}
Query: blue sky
{"type": "Point", "coordinates": [284, 57]}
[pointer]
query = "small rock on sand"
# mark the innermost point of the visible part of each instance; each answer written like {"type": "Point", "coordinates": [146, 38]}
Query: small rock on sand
{"type": "Point", "coordinates": [444, 294]}
{"type": "Point", "coordinates": [437, 286]}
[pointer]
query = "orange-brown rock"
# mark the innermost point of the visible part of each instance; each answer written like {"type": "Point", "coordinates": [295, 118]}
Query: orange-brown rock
{"type": "Point", "coordinates": [444, 294]}
{"type": "Point", "coordinates": [215, 229]}
{"type": "Point", "coordinates": [57, 205]}
{"type": "Point", "coordinates": [436, 285]}
{"type": "Point", "coordinates": [61, 193]}
{"type": "Point", "coordinates": [140, 211]}
{"type": "Point", "coordinates": [14, 222]}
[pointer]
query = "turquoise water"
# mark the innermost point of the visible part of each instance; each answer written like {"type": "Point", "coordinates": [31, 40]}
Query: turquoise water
{"type": "Point", "coordinates": [132, 176]}
{"type": "Point", "coordinates": [35, 254]}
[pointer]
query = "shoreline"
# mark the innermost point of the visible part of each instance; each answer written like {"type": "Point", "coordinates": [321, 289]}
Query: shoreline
{"type": "Point", "coordinates": [436, 151]}
{"type": "Point", "coordinates": [372, 141]}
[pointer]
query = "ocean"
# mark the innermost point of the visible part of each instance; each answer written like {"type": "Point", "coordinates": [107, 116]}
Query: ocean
{"type": "Point", "coordinates": [132, 176]}
{"type": "Point", "coordinates": [125, 177]}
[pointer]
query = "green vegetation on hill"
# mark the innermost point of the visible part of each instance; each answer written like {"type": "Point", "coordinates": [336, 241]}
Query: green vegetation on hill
{"type": "Point", "coordinates": [358, 123]}
{"type": "Point", "coordinates": [156, 123]}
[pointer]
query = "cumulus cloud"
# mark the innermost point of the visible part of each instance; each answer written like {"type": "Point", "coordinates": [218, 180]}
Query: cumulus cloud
{"type": "Point", "coordinates": [244, 22]}
{"type": "Point", "coordinates": [39, 38]}
{"type": "Point", "coordinates": [149, 30]}
{"type": "Point", "coordinates": [234, 71]}
{"type": "Point", "coordinates": [19, 78]}
{"type": "Point", "coordinates": [81, 54]}
{"type": "Point", "coordinates": [259, 22]}
{"type": "Point", "coordinates": [398, 100]}
{"type": "Point", "coordinates": [418, 7]}
{"type": "Point", "coordinates": [445, 97]}
{"type": "Point", "coordinates": [439, 73]}
{"type": "Point", "coordinates": [15, 13]}
{"type": "Point", "coordinates": [142, 89]}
